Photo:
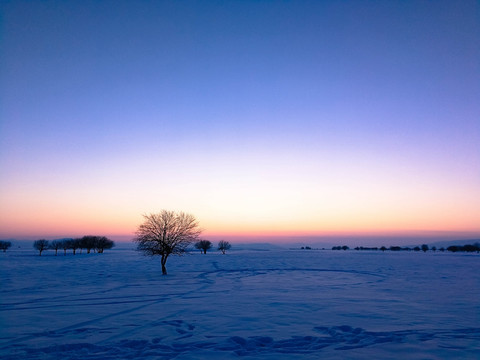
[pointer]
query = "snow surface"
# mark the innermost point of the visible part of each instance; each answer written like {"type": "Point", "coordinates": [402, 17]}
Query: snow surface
{"type": "Point", "coordinates": [245, 304]}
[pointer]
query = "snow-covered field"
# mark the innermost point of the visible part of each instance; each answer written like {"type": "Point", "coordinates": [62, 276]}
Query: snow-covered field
{"type": "Point", "coordinates": [245, 304]}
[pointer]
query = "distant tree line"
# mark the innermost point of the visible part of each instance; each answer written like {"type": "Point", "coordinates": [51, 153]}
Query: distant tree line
{"type": "Point", "coordinates": [454, 248]}
{"type": "Point", "coordinates": [96, 243]}
{"type": "Point", "coordinates": [467, 248]}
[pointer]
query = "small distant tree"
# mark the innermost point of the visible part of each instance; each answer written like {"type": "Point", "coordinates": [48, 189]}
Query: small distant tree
{"type": "Point", "coordinates": [166, 233]}
{"type": "Point", "coordinates": [55, 245]}
{"type": "Point", "coordinates": [434, 248]}
{"type": "Point", "coordinates": [223, 246]}
{"type": "Point", "coordinates": [442, 249]}
{"type": "Point", "coordinates": [4, 245]}
{"type": "Point", "coordinates": [40, 245]}
{"type": "Point", "coordinates": [345, 247]}
{"type": "Point", "coordinates": [103, 243]}
{"type": "Point", "coordinates": [424, 247]}
{"type": "Point", "coordinates": [75, 244]}
{"type": "Point", "coordinates": [383, 248]}
{"type": "Point", "coordinates": [88, 242]}
{"type": "Point", "coordinates": [66, 244]}
{"type": "Point", "coordinates": [203, 245]}
{"type": "Point", "coordinates": [416, 248]}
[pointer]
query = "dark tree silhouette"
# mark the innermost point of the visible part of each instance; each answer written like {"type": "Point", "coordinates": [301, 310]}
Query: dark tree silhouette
{"type": "Point", "coordinates": [223, 246]}
{"type": "Point", "coordinates": [416, 248]}
{"type": "Point", "coordinates": [453, 248]}
{"type": "Point", "coordinates": [4, 245]}
{"type": "Point", "coordinates": [55, 245]}
{"type": "Point", "coordinates": [75, 244]}
{"type": "Point", "coordinates": [434, 248]}
{"type": "Point", "coordinates": [424, 247]}
{"type": "Point", "coordinates": [88, 242]}
{"type": "Point", "coordinates": [166, 233]}
{"type": "Point", "coordinates": [103, 243]}
{"type": "Point", "coordinates": [203, 245]}
{"type": "Point", "coordinates": [66, 244]}
{"type": "Point", "coordinates": [467, 248]}
{"type": "Point", "coordinates": [383, 248]}
{"type": "Point", "coordinates": [40, 245]}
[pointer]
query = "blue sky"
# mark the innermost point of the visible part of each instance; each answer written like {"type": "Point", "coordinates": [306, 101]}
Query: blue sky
{"type": "Point", "coordinates": [259, 117]}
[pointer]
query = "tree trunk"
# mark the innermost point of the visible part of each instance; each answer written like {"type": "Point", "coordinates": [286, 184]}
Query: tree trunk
{"type": "Point", "coordinates": [164, 268]}
{"type": "Point", "coordinates": [56, 252]}
{"type": "Point", "coordinates": [205, 251]}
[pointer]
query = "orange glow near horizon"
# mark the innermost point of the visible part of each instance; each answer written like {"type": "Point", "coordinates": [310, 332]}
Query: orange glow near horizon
{"type": "Point", "coordinates": [243, 203]}
{"type": "Point", "coordinates": [55, 223]}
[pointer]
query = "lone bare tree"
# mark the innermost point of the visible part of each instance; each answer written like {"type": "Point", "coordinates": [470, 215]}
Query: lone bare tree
{"type": "Point", "coordinates": [41, 245]}
{"type": "Point", "coordinates": [203, 245]}
{"type": "Point", "coordinates": [166, 233]}
{"type": "Point", "coordinates": [224, 246]}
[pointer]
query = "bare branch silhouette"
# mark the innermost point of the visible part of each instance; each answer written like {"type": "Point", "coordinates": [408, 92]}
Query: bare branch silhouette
{"type": "Point", "coordinates": [166, 233]}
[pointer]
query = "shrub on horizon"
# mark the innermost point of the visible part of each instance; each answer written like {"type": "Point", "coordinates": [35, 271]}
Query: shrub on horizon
{"type": "Point", "coordinates": [4, 245]}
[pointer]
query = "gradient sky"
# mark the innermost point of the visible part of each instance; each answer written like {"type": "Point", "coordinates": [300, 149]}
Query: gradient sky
{"type": "Point", "coordinates": [278, 118]}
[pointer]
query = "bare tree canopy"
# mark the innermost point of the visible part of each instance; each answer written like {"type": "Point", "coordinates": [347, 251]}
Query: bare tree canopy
{"type": "Point", "coordinates": [166, 233]}
{"type": "Point", "coordinates": [40, 245]}
{"type": "Point", "coordinates": [203, 245]}
{"type": "Point", "coordinates": [55, 245]}
{"type": "Point", "coordinates": [224, 246]}
{"type": "Point", "coordinates": [103, 243]}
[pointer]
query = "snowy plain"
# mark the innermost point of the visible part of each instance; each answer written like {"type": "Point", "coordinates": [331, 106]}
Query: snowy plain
{"type": "Point", "coordinates": [282, 304]}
